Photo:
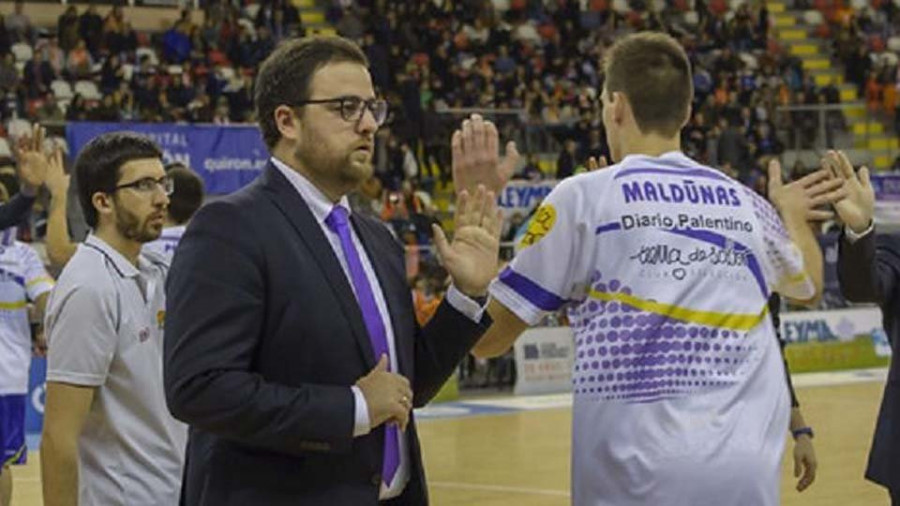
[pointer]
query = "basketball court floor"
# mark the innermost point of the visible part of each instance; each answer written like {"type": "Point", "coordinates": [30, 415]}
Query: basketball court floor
{"type": "Point", "coordinates": [514, 451]}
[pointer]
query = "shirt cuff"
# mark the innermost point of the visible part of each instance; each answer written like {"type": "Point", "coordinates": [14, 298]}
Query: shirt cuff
{"type": "Point", "coordinates": [465, 304]}
{"type": "Point", "coordinates": [360, 413]}
{"type": "Point", "coordinates": [852, 236]}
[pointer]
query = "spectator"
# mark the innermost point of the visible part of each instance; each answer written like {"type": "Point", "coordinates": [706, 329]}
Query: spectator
{"type": "Point", "coordinates": [18, 24]}
{"type": "Point", "coordinates": [565, 164]}
{"type": "Point", "coordinates": [67, 28]}
{"type": "Point", "coordinates": [80, 64]}
{"type": "Point", "coordinates": [38, 74]}
{"type": "Point", "coordinates": [90, 28]}
{"type": "Point", "coordinates": [49, 110]}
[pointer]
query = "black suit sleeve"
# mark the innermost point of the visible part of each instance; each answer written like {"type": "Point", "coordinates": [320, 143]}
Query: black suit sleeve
{"type": "Point", "coordinates": [868, 269]}
{"type": "Point", "coordinates": [215, 319]}
{"type": "Point", "coordinates": [440, 346]}
{"type": "Point", "coordinates": [14, 211]}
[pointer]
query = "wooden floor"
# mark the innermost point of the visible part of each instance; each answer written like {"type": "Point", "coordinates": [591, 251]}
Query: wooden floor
{"type": "Point", "coordinates": [522, 458]}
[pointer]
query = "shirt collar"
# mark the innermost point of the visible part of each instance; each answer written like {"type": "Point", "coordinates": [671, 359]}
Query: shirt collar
{"type": "Point", "coordinates": [318, 203]}
{"type": "Point", "coordinates": [675, 157]}
{"type": "Point", "coordinates": [126, 269]}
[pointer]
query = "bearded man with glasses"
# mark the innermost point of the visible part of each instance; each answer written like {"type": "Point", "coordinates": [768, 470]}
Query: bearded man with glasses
{"type": "Point", "coordinates": [108, 438]}
{"type": "Point", "coordinates": [291, 346]}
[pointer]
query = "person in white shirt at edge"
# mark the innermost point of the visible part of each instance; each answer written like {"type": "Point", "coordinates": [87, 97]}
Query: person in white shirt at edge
{"type": "Point", "coordinates": [108, 438]}
{"type": "Point", "coordinates": [183, 203]}
{"type": "Point", "coordinates": [665, 267]}
{"type": "Point", "coordinates": [23, 279]}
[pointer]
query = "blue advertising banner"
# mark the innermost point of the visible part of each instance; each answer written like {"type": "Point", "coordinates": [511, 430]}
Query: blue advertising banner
{"type": "Point", "coordinates": [887, 198]}
{"type": "Point", "coordinates": [34, 404]}
{"type": "Point", "coordinates": [226, 157]}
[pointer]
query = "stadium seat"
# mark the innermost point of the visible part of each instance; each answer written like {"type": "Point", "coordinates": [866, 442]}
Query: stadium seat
{"type": "Point", "coordinates": [5, 149]}
{"type": "Point", "coordinates": [252, 10]}
{"type": "Point", "coordinates": [813, 18]}
{"type": "Point", "coordinates": [150, 53]}
{"type": "Point", "coordinates": [88, 90]}
{"type": "Point", "coordinates": [692, 18]}
{"type": "Point", "coordinates": [749, 60]}
{"type": "Point", "coordinates": [23, 52]}
{"type": "Point", "coordinates": [894, 44]}
{"type": "Point", "coordinates": [62, 90]}
{"type": "Point", "coordinates": [18, 127]}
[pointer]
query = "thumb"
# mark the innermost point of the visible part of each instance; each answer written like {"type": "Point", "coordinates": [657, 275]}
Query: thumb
{"type": "Point", "coordinates": [382, 364]}
{"type": "Point", "coordinates": [512, 155]}
{"type": "Point", "coordinates": [441, 243]}
{"type": "Point", "coordinates": [864, 177]}
{"type": "Point", "coordinates": [775, 177]}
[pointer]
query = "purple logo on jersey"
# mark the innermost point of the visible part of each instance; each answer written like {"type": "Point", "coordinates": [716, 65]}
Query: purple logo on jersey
{"type": "Point", "coordinates": [144, 334]}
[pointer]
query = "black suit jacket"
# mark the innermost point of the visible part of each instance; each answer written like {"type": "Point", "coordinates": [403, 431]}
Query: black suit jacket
{"type": "Point", "coordinates": [263, 340]}
{"type": "Point", "coordinates": [869, 271]}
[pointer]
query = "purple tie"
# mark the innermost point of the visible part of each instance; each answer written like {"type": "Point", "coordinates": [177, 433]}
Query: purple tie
{"type": "Point", "coordinates": [337, 221]}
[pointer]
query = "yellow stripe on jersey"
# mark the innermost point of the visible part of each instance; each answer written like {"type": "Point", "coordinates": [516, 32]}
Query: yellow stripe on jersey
{"type": "Point", "coordinates": [10, 306]}
{"type": "Point", "coordinates": [732, 321]}
{"type": "Point", "coordinates": [42, 279]}
{"type": "Point", "coordinates": [796, 278]}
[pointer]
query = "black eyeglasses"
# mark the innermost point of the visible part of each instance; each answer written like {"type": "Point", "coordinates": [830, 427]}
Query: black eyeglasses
{"type": "Point", "coordinates": [353, 108]}
{"type": "Point", "coordinates": [148, 185]}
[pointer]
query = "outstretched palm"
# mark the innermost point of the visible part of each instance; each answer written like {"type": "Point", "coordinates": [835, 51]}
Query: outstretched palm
{"type": "Point", "coordinates": [31, 159]}
{"type": "Point", "coordinates": [476, 157]}
{"type": "Point", "coordinates": [857, 209]}
{"type": "Point", "coordinates": [472, 257]}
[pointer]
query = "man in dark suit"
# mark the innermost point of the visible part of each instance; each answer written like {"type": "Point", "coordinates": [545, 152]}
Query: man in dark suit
{"type": "Point", "coordinates": [869, 271]}
{"type": "Point", "coordinates": [291, 346]}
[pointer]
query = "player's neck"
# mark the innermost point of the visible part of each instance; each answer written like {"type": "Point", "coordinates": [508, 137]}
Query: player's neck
{"type": "Point", "coordinates": [650, 145]}
{"type": "Point", "coordinates": [128, 248]}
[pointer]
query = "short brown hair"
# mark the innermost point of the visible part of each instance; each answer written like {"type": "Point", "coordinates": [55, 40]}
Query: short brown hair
{"type": "Point", "coordinates": [653, 71]}
{"type": "Point", "coordinates": [284, 77]}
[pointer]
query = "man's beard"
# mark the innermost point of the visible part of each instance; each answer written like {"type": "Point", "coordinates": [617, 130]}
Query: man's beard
{"type": "Point", "coordinates": [318, 160]}
{"type": "Point", "coordinates": [130, 226]}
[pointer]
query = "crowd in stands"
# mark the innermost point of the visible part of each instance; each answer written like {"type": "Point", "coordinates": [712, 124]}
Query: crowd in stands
{"type": "Point", "coordinates": [540, 59]}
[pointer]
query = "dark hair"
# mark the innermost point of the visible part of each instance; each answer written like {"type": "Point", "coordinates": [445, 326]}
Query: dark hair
{"type": "Point", "coordinates": [653, 71]}
{"type": "Point", "coordinates": [98, 166]}
{"type": "Point", "coordinates": [284, 77]}
{"type": "Point", "coordinates": [188, 194]}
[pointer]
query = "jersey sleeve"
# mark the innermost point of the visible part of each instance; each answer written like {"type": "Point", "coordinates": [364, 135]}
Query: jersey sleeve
{"type": "Point", "coordinates": [544, 274]}
{"type": "Point", "coordinates": [37, 280]}
{"type": "Point", "coordinates": [784, 261]}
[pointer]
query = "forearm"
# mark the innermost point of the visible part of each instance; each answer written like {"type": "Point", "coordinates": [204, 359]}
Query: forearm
{"type": "Point", "coordinates": [243, 407]}
{"type": "Point", "coordinates": [442, 345]}
{"type": "Point", "coordinates": [797, 420]}
{"type": "Point", "coordinates": [858, 269]}
{"type": "Point", "coordinates": [59, 467]}
{"type": "Point", "coordinates": [813, 265]}
{"type": "Point", "coordinates": [60, 247]}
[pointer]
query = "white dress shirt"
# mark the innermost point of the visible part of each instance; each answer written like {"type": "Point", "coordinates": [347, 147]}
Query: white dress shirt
{"type": "Point", "coordinates": [321, 207]}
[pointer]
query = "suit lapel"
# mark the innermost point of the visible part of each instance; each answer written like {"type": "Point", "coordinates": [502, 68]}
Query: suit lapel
{"type": "Point", "coordinates": [297, 212]}
{"type": "Point", "coordinates": [390, 288]}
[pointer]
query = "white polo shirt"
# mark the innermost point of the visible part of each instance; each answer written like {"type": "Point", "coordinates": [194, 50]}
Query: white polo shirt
{"type": "Point", "coordinates": [665, 267]}
{"type": "Point", "coordinates": [105, 329]}
{"type": "Point", "coordinates": [23, 278]}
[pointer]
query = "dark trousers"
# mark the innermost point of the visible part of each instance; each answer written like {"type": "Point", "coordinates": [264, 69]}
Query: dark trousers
{"type": "Point", "coordinates": [895, 497]}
